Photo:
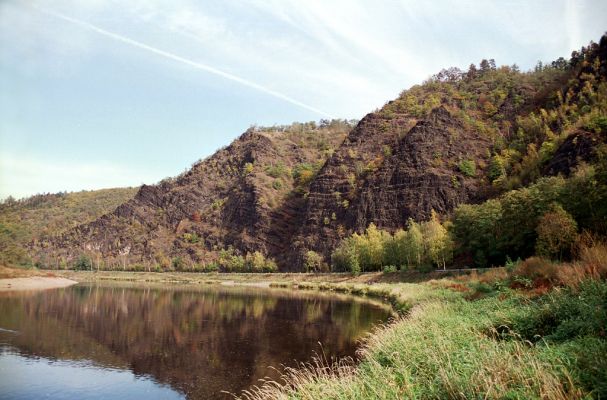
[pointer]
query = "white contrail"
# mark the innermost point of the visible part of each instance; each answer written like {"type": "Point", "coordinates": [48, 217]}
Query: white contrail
{"type": "Point", "coordinates": [175, 57]}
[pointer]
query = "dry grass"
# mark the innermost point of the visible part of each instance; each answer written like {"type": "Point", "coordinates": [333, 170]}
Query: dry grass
{"type": "Point", "coordinates": [9, 273]}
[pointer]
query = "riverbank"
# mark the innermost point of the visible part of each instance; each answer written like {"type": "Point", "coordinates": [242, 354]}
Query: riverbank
{"type": "Point", "coordinates": [17, 279]}
{"type": "Point", "coordinates": [34, 283]}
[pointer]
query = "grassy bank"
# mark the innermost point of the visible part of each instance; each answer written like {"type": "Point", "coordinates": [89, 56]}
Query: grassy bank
{"type": "Point", "coordinates": [502, 346]}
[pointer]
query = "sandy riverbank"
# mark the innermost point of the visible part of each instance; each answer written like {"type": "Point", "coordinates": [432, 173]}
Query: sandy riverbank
{"type": "Point", "coordinates": [34, 283]}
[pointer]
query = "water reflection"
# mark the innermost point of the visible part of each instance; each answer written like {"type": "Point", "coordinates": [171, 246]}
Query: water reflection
{"type": "Point", "coordinates": [199, 342]}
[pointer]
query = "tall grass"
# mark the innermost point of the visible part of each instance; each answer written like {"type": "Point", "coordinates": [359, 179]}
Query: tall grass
{"type": "Point", "coordinates": [440, 350]}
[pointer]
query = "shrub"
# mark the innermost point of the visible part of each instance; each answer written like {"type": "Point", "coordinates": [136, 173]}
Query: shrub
{"type": "Point", "coordinates": [247, 168]}
{"type": "Point", "coordinates": [389, 269]}
{"type": "Point", "coordinates": [313, 262]}
{"type": "Point", "coordinates": [304, 173]}
{"type": "Point", "coordinates": [597, 124]}
{"type": "Point", "coordinates": [83, 264]}
{"type": "Point", "coordinates": [191, 237]}
{"type": "Point", "coordinates": [211, 267]}
{"type": "Point", "coordinates": [178, 263]}
{"type": "Point", "coordinates": [537, 269]}
{"type": "Point", "coordinates": [276, 171]}
{"type": "Point", "coordinates": [556, 233]}
{"type": "Point", "coordinates": [467, 167]}
{"type": "Point", "coordinates": [277, 184]}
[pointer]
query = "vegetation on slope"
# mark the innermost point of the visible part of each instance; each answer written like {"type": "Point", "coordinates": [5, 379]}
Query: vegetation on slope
{"type": "Point", "coordinates": [24, 220]}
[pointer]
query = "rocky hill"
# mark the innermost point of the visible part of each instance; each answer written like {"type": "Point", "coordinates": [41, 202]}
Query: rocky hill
{"type": "Point", "coordinates": [22, 221]}
{"type": "Point", "coordinates": [460, 137]}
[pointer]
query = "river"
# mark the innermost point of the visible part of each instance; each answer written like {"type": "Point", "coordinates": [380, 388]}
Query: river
{"type": "Point", "coordinates": [101, 341]}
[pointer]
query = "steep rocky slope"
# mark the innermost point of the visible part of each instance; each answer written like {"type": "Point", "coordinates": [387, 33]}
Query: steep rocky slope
{"type": "Point", "coordinates": [244, 196]}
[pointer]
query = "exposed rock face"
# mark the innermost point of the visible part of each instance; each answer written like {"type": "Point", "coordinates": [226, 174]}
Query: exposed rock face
{"type": "Point", "coordinates": [578, 147]}
{"type": "Point", "coordinates": [416, 173]}
{"type": "Point", "coordinates": [228, 199]}
{"type": "Point", "coordinates": [385, 171]}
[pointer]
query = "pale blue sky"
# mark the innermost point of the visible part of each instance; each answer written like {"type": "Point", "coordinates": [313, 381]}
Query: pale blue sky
{"type": "Point", "coordinates": [106, 93]}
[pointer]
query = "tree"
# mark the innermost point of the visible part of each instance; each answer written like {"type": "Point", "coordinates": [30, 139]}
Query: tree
{"type": "Point", "coordinates": [556, 233]}
{"type": "Point", "coordinates": [496, 168]}
{"type": "Point", "coordinates": [313, 262]}
{"type": "Point", "coordinates": [437, 242]}
{"type": "Point", "coordinates": [394, 249]}
{"type": "Point", "coordinates": [472, 72]}
{"type": "Point", "coordinates": [414, 244]}
{"type": "Point", "coordinates": [374, 244]}
{"type": "Point", "coordinates": [344, 258]}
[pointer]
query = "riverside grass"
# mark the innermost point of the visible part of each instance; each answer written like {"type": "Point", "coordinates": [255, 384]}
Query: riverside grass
{"type": "Point", "coordinates": [448, 346]}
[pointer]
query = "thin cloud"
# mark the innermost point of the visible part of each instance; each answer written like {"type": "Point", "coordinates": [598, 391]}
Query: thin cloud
{"type": "Point", "coordinates": [183, 60]}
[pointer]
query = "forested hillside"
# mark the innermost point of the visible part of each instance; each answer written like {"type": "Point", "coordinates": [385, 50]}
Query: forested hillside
{"type": "Point", "coordinates": [22, 221]}
{"type": "Point", "coordinates": [496, 159]}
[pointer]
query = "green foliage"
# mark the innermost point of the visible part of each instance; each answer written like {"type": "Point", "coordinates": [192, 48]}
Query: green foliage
{"type": "Point", "coordinates": [467, 167]}
{"type": "Point", "coordinates": [256, 262]}
{"type": "Point", "coordinates": [276, 170]}
{"type": "Point", "coordinates": [419, 246]}
{"type": "Point", "coordinates": [83, 263]}
{"type": "Point", "coordinates": [218, 204]}
{"type": "Point", "coordinates": [597, 124]}
{"type": "Point", "coordinates": [304, 173]}
{"type": "Point", "coordinates": [509, 225]}
{"type": "Point", "coordinates": [314, 262]}
{"type": "Point", "coordinates": [229, 261]}
{"type": "Point", "coordinates": [277, 184]}
{"type": "Point", "coordinates": [344, 258]}
{"type": "Point", "coordinates": [390, 269]}
{"type": "Point", "coordinates": [247, 168]}
{"type": "Point", "coordinates": [556, 233]}
{"type": "Point", "coordinates": [43, 215]}
{"type": "Point", "coordinates": [178, 263]}
{"type": "Point", "coordinates": [496, 168]}
{"type": "Point", "coordinates": [191, 237]}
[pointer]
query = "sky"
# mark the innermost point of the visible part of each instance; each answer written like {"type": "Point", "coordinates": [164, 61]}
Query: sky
{"type": "Point", "coordinates": [108, 93]}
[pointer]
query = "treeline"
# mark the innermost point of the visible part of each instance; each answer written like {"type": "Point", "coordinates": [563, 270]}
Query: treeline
{"type": "Point", "coordinates": [226, 260]}
{"type": "Point", "coordinates": [542, 219]}
{"type": "Point", "coordinates": [420, 246]}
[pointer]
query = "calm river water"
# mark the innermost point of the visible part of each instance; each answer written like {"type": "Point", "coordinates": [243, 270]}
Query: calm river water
{"type": "Point", "coordinates": [132, 342]}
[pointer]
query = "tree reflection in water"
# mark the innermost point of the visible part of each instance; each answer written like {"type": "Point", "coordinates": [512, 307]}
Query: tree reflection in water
{"type": "Point", "coordinates": [199, 341]}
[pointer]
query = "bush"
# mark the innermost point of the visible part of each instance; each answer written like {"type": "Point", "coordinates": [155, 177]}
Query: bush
{"type": "Point", "coordinates": [83, 264]}
{"type": "Point", "coordinates": [247, 168]}
{"type": "Point", "coordinates": [304, 173]}
{"type": "Point", "coordinates": [556, 233]}
{"type": "Point", "coordinates": [191, 237]}
{"type": "Point", "coordinates": [211, 267]}
{"type": "Point", "coordinates": [178, 264]}
{"type": "Point", "coordinates": [467, 167]}
{"type": "Point", "coordinates": [313, 262]}
{"type": "Point", "coordinates": [537, 270]}
{"type": "Point", "coordinates": [390, 268]}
